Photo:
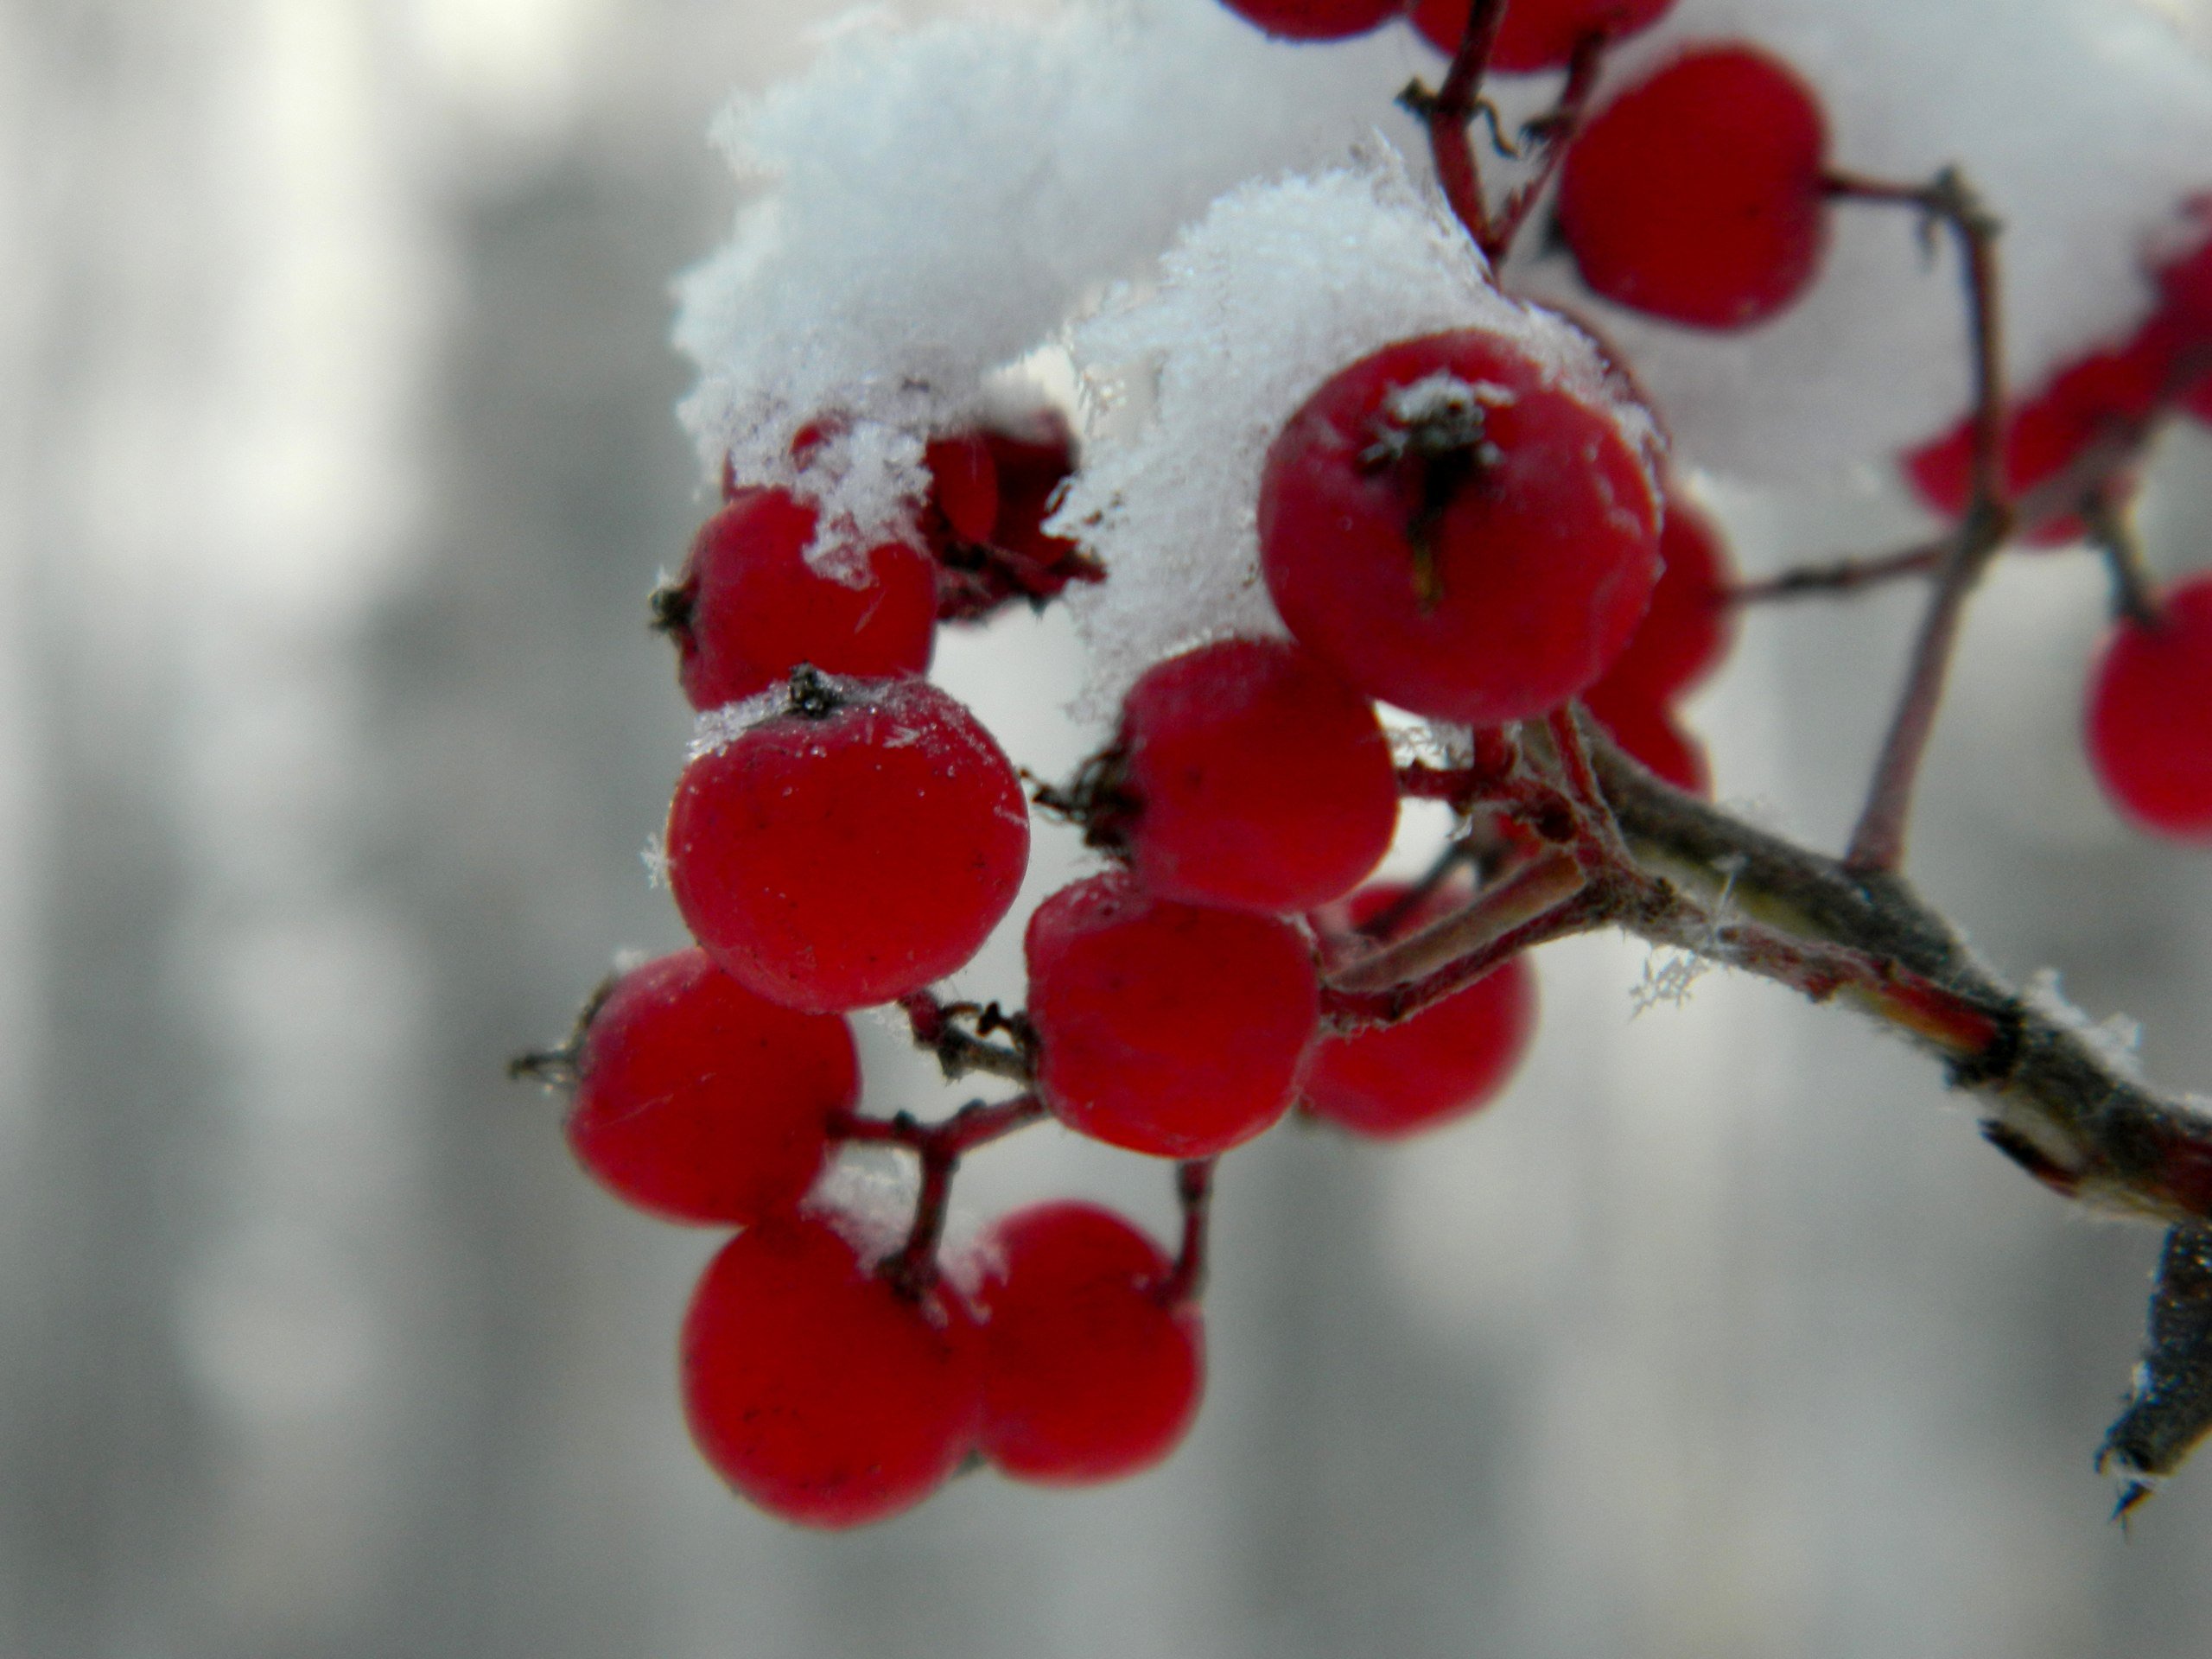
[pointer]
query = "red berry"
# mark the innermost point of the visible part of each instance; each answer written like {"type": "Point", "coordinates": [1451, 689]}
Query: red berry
{"type": "Point", "coordinates": [1163, 1027]}
{"type": "Point", "coordinates": [2149, 717]}
{"type": "Point", "coordinates": [1317, 20]}
{"type": "Point", "coordinates": [1689, 627]}
{"type": "Point", "coordinates": [701, 1102]}
{"type": "Point", "coordinates": [1090, 1372]}
{"type": "Point", "coordinates": [1032, 456]}
{"type": "Point", "coordinates": [2103, 398]}
{"type": "Point", "coordinates": [850, 848]}
{"type": "Point", "coordinates": [816, 1390]}
{"type": "Point", "coordinates": [992, 550]}
{"type": "Point", "coordinates": [1439, 1065]}
{"type": "Point", "coordinates": [963, 484]}
{"type": "Point", "coordinates": [1456, 532]}
{"type": "Point", "coordinates": [1538, 33]}
{"type": "Point", "coordinates": [1697, 194]}
{"type": "Point", "coordinates": [748, 608]}
{"type": "Point", "coordinates": [1648, 729]}
{"type": "Point", "coordinates": [1256, 779]}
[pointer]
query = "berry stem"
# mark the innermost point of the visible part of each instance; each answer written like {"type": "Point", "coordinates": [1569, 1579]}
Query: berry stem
{"type": "Point", "coordinates": [2134, 591]}
{"type": "Point", "coordinates": [1194, 1192]}
{"type": "Point", "coordinates": [1879, 840]}
{"type": "Point", "coordinates": [555, 1068]}
{"type": "Point", "coordinates": [1553, 131]}
{"type": "Point", "coordinates": [1385, 921]}
{"type": "Point", "coordinates": [1530, 898]}
{"type": "Point", "coordinates": [1448, 111]}
{"type": "Point", "coordinates": [959, 1053]}
{"type": "Point", "coordinates": [939, 1147]}
{"type": "Point", "coordinates": [1842, 576]}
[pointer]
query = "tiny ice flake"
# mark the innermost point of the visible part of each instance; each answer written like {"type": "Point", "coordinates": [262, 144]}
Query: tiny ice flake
{"type": "Point", "coordinates": [2115, 1040]}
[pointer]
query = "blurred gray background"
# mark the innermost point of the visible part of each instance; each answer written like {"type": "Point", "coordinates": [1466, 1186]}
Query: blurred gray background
{"type": "Point", "coordinates": [338, 459]}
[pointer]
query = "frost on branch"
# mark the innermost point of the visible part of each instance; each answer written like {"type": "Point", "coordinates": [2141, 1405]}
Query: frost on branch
{"type": "Point", "coordinates": [1280, 285]}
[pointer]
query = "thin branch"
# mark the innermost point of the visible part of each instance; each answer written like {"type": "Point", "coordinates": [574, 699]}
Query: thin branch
{"type": "Point", "coordinates": [1842, 576]}
{"type": "Point", "coordinates": [1535, 890]}
{"type": "Point", "coordinates": [1878, 841]}
{"type": "Point", "coordinates": [1554, 132]}
{"type": "Point", "coordinates": [939, 1147]}
{"type": "Point", "coordinates": [1447, 113]}
{"type": "Point", "coordinates": [959, 1053]}
{"type": "Point", "coordinates": [1386, 921]}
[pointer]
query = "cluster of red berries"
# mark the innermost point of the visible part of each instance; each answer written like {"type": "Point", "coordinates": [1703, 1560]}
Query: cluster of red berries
{"type": "Point", "coordinates": [1456, 525]}
{"type": "Point", "coordinates": [1700, 195]}
{"type": "Point", "coordinates": [847, 835]}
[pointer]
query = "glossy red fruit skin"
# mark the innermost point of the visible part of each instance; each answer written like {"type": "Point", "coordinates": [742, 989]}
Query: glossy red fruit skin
{"type": "Point", "coordinates": [835, 862]}
{"type": "Point", "coordinates": [1650, 731]}
{"type": "Point", "coordinates": [1690, 626]}
{"type": "Point", "coordinates": [748, 608]}
{"type": "Point", "coordinates": [1090, 1372]}
{"type": "Point", "coordinates": [1536, 35]}
{"type": "Point", "coordinates": [699, 1102]}
{"type": "Point", "coordinates": [1166, 1028]}
{"type": "Point", "coordinates": [1696, 194]}
{"type": "Point", "coordinates": [2106, 396]}
{"type": "Point", "coordinates": [2149, 728]}
{"type": "Point", "coordinates": [1543, 559]}
{"type": "Point", "coordinates": [1441, 1065]}
{"type": "Point", "coordinates": [816, 1389]}
{"type": "Point", "coordinates": [1260, 780]}
{"type": "Point", "coordinates": [1317, 20]}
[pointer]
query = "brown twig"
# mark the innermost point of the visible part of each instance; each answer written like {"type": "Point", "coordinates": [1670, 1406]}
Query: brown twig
{"type": "Point", "coordinates": [1878, 841]}
{"type": "Point", "coordinates": [2057, 1101]}
{"type": "Point", "coordinates": [939, 1147]}
{"type": "Point", "coordinates": [960, 1053]}
{"type": "Point", "coordinates": [1842, 576]}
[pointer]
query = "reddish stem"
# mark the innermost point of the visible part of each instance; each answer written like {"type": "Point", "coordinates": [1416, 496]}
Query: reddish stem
{"type": "Point", "coordinates": [1448, 113]}
{"type": "Point", "coordinates": [1557, 128]}
{"type": "Point", "coordinates": [1347, 1008]}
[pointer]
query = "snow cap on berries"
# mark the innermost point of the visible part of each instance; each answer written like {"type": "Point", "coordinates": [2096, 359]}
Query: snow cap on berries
{"type": "Point", "coordinates": [1281, 285]}
{"type": "Point", "coordinates": [929, 205]}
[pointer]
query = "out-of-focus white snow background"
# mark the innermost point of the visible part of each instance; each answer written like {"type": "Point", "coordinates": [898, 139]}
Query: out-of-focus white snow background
{"type": "Point", "coordinates": [339, 457]}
